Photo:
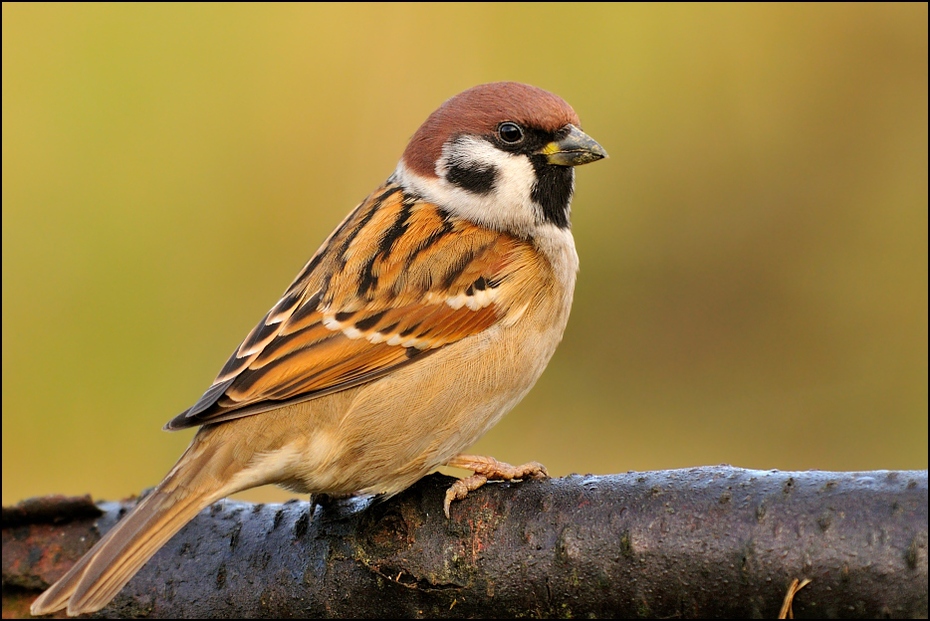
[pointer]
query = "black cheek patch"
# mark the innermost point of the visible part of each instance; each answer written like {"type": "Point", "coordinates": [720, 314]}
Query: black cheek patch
{"type": "Point", "coordinates": [474, 180]}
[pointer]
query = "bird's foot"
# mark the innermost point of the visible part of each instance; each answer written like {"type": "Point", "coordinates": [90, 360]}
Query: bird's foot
{"type": "Point", "coordinates": [487, 469]}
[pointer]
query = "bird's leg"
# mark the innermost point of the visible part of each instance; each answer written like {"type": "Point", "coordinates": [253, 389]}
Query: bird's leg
{"type": "Point", "coordinates": [320, 500]}
{"type": "Point", "coordinates": [487, 469]}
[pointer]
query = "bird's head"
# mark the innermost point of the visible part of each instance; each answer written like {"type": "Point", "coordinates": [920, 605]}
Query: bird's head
{"type": "Point", "coordinates": [500, 154]}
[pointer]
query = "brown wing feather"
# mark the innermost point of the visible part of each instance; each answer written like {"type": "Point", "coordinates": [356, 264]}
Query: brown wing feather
{"type": "Point", "coordinates": [396, 280]}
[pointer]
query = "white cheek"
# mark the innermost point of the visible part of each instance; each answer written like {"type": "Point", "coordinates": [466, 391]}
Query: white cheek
{"type": "Point", "coordinates": [508, 206]}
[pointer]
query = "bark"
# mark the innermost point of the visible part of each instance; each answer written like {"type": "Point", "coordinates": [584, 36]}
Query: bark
{"type": "Point", "coordinates": [704, 542]}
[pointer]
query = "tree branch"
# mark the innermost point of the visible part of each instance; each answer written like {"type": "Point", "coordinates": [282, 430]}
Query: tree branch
{"type": "Point", "coordinates": [704, 542]}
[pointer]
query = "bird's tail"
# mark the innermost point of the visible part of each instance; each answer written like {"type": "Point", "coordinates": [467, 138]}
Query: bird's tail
{"type": "Point", "coordinates": [100, 574]}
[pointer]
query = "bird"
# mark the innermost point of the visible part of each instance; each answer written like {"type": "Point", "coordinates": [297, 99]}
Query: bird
{"type": "Point", "coordinates": [424, 317]}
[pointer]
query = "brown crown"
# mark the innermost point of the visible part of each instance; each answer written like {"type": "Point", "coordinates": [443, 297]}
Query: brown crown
{"type": "Point", "coordinates": [478, 111]}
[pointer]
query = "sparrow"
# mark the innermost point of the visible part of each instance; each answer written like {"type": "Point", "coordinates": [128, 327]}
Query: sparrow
{"type": "Point", "coordinates": [426, 315]}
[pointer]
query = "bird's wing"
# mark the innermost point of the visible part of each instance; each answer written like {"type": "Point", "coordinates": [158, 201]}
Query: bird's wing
{"type": "Point", "coordinates": [397, 280]}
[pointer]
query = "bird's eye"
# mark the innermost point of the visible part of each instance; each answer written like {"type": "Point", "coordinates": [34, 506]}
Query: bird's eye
{"type": "Point", "coordinates": [511, 133]}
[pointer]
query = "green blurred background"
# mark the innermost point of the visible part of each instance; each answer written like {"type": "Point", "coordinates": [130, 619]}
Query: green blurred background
{"type": "Point", "coordinates": [754, 253]}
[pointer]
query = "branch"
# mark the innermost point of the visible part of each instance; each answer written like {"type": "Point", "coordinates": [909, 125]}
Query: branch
{"type": "Point", "coordinates": [704, 542]}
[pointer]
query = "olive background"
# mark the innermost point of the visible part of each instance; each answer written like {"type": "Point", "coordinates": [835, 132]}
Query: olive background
{"type": "Point", "coordinates": [753, 285]}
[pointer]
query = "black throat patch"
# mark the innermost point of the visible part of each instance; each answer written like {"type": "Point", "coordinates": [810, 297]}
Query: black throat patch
{"type": "Point", "coordinates": [553, 190]}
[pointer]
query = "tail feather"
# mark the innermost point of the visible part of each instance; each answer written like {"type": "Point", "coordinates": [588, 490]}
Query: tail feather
{"type": "Point", "coordinates": [116, 564]}
{"type": "Point", "coordinates": [99, 575]}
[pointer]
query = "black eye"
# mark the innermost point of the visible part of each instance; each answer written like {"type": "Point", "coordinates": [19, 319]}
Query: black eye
{"type": "Point", "coordinates": [510, 133]}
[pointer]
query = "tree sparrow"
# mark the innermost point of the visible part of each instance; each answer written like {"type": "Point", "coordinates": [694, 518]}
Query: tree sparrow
{"type": "Point", "coordinates": [426, 315]}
